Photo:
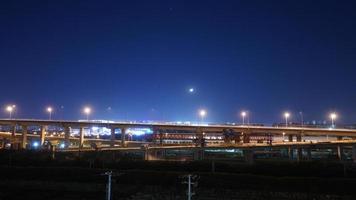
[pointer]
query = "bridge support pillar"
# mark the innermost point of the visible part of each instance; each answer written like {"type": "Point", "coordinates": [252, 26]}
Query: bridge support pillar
{"type": "Point", "coordinates": [112, 137]}
{"type": "Point", "coordinates": [81, 137]}
{"type": "Point", "coordinates": [290, 153]}
{"type": "Point", "coordinates": [66, 136]}
{"type": "Point", "coordinates": [160, 135]}
{"type": "Point", "coordinates": [123, 142]}
{"type": "Point", "coordinates": [290, 138]}
{"type": "Point", "coordinates": [155, 153]}
{"type": "Point", "coordinates": [164, 154]}
{"type": "Point", "coordinates": [309, 153]}
{"type": "Point", "coordinates": [24, 136]}
{"type": "Point", "coordinates": [43, 135]}
{"type": "Point", "coordinates": [354, 153]}
{"type": "Point", "coordinates": [150, 154]}
{"type": "Point", "coordinates": [200, 138]}
{"type": "Point", "coordinates": [13, 142]}
{"type": "Point", "coordinates": [248, 154]}
{"type": "Point", "coordinates": [198, 154]}
{"type": "Point", "coordinates": [340, 152]}
{"type": "Point", "coordinates": [299, 138]}
{"type": "Point", "coordinates": [299, 154]}
{"type": "Point", "coordinates": [146, 154]}
{"type": "Point", "coordinates": [237, 138]}
{"type": "Point", "coordinates": [246, 138]}
{"type": "Point", "coordinates": [3, 142]}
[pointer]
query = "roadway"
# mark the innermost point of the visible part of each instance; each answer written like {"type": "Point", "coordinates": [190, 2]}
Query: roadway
{"type": "Point", "coordinates": [184, 127]}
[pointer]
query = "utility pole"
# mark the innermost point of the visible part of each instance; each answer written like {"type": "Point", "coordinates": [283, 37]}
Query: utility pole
{"type": "Point", "coordinates": [108, 185]}
{"type": "Point", "coordinates": [192, 181]}
{"type": "Point", "coordinates": [189, 188]}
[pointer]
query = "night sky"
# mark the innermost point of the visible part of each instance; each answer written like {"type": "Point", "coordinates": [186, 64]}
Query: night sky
{"type": "Point", "coordinates": [136, 60]}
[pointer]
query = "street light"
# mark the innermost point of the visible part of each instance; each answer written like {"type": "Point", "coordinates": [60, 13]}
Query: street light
{"type": "Point", "coordinates": [243, 114]}
{"type": "Point", "coordinates": [87, 111]}
{"type": "Point", "coordinates": [202, 114]}
{"type": "Point", "coordinates": [10, 109]}
{"type": "Point", "coordinates": [286, 115]}
{"type": "Point", "coordinates": [49, 110]}
{"type": "Point", "coordinates": [333, 116]}
{"type": "Point", "coordinates": [301, 117]}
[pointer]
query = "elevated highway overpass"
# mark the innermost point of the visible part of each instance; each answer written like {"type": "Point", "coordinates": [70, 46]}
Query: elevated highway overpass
{"type": "Point", "coordinates": [297, 141]}
{"type": "Point", "coordinates": [17, 131]}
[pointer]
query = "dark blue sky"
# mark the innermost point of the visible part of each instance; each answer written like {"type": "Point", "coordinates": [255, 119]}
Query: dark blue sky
{"type": "Point", "coordinates": [140, 58]}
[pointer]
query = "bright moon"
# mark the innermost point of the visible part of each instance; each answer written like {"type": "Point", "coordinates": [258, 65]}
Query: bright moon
{"type": "Point", "coordinates": [191, 90]}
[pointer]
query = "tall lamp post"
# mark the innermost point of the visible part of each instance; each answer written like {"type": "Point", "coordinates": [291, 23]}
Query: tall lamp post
{"type": "Point", "coordinates": [301, 117]}
{"type": "Point", "coordinates": [243, 115]}
{"type": "Point", "coordinates": [10, 109]}
{"type": "Point", "coordinates": [286, 116]}
{"type": "Point", "coordinates": [50, 110]}
{"type": "Point", "coordinates": [333, 117]}
{"type": "Point", "coordinates": [87, 112]}
{"type": "Point", "coordinates": [202, 114]}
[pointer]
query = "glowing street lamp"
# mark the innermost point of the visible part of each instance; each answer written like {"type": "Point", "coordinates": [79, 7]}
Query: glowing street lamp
{"type": "Point", "coordinates": [333, 116]}
{"type": "Point", "coordinates": [243, 115]}
{"type": "Point", "coordinates": [87, 112]}
{"type": "Point", "coordinates": [286, 115]}
{"type": "Point", "coordinates": [50, 110]}
{"type": "Point", "coordinates": [202, 114]}
{"type": "Point", "coordinates": [10, 109]}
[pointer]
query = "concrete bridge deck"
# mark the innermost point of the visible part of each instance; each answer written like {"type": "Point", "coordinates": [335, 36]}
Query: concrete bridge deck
{"type": "Point", "coordinates": [241, 133]}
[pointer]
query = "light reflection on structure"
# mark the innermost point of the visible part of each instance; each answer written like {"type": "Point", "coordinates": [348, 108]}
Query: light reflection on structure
{"type": "Point", "coordinates": [103, 131]}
